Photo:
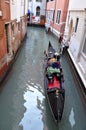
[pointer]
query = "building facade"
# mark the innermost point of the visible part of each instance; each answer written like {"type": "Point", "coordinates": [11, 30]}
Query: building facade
{"type": "Point", "coordinates": [56, 13]}
{"type": "Point", "coordinates": [37, 11]}
{"type": "Point", "coordinates": [76, 36]}
{"type": "Point", "coordinates": [13, 26]}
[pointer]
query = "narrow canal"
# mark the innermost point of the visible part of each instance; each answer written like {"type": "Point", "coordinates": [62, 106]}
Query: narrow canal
{"type": "Point", "coordinates": [23, 104]}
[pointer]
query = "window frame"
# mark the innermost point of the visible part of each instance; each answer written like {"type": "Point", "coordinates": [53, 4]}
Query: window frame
{"type": "Point", "coordinates": [38, 0]}
{"type": "Point", "coordinates": [84, 46]}
{"type": "Point", "coordinates": [76, 24]}
{"type": "Point", "coordinates": [58, 16]}
{"type": "Point", "coordinates": [38, 11]}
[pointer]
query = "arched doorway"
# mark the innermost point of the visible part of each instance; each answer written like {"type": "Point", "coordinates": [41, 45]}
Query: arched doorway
{"type": "Point", "coordinates": [38, 11]}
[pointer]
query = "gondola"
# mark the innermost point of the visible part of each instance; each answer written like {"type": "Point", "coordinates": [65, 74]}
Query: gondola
{"type": "Point", "coordinates": [54, 83]}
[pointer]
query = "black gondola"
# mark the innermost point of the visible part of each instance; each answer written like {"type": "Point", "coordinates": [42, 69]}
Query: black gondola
{"type": "Point", "coordinates": [54, 83]}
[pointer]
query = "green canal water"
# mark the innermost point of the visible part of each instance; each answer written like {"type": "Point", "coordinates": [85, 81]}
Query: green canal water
{"type": "Point", "coordinates": [23, 104]}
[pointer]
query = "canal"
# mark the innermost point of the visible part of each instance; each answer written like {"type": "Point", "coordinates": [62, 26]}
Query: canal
{"type": "Point", "coordinates": [23, 104]}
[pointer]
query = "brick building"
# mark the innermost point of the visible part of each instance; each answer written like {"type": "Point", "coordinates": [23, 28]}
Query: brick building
{"type": "Point", "coordinates": [56, 13]}
{"type": "Point", "coordinates": [13, 26]}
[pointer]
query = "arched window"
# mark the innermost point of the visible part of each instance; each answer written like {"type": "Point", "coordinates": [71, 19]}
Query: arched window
{"type": "Point", "coordinates": [38, 11]}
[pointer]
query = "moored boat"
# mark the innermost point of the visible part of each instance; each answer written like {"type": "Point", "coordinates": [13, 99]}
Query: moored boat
{"type": "Point", "coordinates": [54, 83]}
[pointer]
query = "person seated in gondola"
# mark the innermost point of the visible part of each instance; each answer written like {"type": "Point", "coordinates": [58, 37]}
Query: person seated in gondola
{"type": "Point", "coordinates": [51, 72]}
{"type": "Point", "coordinates": [57, 56]}
{"type": "Point", "coordinates": [54, 62]}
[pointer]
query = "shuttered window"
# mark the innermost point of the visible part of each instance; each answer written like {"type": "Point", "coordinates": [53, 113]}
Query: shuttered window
{"type": "Point", "coordinates": [58, 16]}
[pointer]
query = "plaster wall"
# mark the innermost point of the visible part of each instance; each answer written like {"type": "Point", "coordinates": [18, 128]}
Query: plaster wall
{"type": "Point", "coordinates": [77, 4]}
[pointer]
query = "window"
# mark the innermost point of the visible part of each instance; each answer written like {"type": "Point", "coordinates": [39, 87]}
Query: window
{"type": "Point", "coordinates": [38, 11]}
{"type": "Point", "coordinates": [68, 18]}
{"type": "Point", "coordinates": [18, 26]}
{"type": "Point", "coordinates": [77, 20]}
{"type": "Point", "coordinates": [38, 0]}
{"type": "Point", "coordinates": [7, 36]}
{"type": "Point", "coordinates": [84, 47]}
{"type": "Point", "coordinates": [58, 16]}
{"type": "Point", "coordinates": [52, 15]}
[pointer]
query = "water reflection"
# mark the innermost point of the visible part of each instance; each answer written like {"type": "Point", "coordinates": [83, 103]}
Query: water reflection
{"type": "Point", "coordinates": [71, 118]}
{"type": "Point", "coordinates": [34, 106]}
{"type": "Point", "coordinates": [23, 105]}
